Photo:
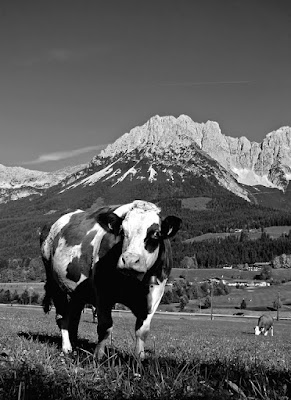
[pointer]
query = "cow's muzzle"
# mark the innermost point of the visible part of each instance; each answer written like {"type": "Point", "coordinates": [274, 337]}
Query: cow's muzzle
{"type": "Point", "coordinates": [132, 261]}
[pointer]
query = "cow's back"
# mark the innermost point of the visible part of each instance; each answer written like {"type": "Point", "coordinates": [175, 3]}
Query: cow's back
{"type": "Point", "coordinates": [265, 321]}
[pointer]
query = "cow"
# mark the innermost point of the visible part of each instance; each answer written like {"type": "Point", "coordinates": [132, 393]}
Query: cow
{"type": "Point", "coordinates": [115, 254]}
{"type": "Point", "coordinates": [265, 325]}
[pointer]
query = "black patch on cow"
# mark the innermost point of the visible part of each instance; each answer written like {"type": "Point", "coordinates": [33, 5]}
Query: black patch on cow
{"type": "Point", "coordinates": [163, 265]}
{"type": "Point", "coordinates": [82, 265]}
{"type": "Point", "coordinates": [152, 238]}
{"type": "Point", "coordinates": [107, 242]}
{"type": "Point", "coordinates": [110, 222]}
{"type": "Point", "coordinates": [76, 229]}
{"type": "Point", "coordinates": [112, 286]}
{"type": "Point", "coordinates": [44, 233]}
{"type": "Point", "coordinates": [73, 270]}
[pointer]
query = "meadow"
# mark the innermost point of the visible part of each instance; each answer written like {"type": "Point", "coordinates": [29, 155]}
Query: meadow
{"type": "Point", "coordinates": [186, 358]}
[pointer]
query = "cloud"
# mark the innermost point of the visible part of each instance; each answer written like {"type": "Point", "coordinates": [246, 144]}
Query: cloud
{"type": "Point", "coordinates": [61, 155]}
{"type": "Point", "coordinates": [61, 55]}
{"type": "Point", "coordinates": [204, 83]}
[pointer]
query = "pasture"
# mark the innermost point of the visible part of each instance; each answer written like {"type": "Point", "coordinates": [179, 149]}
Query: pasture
{"type": "Point", "coordinates": [187, 358]}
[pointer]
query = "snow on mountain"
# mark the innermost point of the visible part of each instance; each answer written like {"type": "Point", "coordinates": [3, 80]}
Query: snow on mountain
{"type": "Point", "coordinates": [267, 163]}
{"type": "Point", "coordinates": [168, 149]}
{"type": "Point", "coordinates": [18, 182]}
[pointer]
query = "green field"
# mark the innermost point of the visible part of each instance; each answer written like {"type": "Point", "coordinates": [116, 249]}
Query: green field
{"type": "Point", "coordinates": [187, 358]}
{"type": "Point", "coordinates": [201, 274]}
{"type": "Point", "coordinates": [273, 231]}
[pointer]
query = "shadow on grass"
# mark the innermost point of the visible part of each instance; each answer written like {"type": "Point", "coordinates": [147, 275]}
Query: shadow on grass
{"type": "Point", "coordinates": [57, 340]}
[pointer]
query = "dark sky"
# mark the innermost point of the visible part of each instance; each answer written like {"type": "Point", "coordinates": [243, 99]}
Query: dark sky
{"type": "Point", "coordinates": [76, 75]}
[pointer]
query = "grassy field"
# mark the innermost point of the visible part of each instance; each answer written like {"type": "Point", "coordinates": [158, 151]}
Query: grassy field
{"type": "Point", "coordinates": [187, 358]}
{"type": "Point", "coordinates": [273, 231]}
{"type": "Point", "coordinates": [205, 273]}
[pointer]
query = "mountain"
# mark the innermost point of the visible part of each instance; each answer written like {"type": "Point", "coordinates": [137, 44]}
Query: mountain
{"type": "Point", "coordinates": [18, 182]}
{"type": "Point", "coordinates": [168, 160]}
{"type": "Point", "coordinates": [169, 150]}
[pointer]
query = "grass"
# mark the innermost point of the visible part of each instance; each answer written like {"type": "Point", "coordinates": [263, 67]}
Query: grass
{"type": "Point", "coordinates": [273, 231]}
{"type": "Point", "coordinates": [187, 358]}
{"type": "Point", "coordinates": [201, 274]}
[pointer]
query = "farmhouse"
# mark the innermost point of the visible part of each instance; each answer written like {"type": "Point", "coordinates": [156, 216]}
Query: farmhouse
{"type": "Point", "coordinates": [247, 283]}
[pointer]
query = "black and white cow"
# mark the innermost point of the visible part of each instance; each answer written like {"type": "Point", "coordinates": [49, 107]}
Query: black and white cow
{"type": "Point", "coordinates": [265, 325]}
{"type": "Point", "coordinates": [114, 254]}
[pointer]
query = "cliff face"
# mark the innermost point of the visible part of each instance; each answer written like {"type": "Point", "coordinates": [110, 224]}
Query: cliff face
{"type": "Point", "coordinates": [168, 149]}
{"type": "Point", "coordinates": [267, 163]}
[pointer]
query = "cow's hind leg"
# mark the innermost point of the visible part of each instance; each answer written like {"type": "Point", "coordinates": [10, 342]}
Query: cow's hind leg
{"type": "Point", "coordinates": [75, 308]}
{"type": "Point", "coordinates": [82, 295]}
{"type": "Point", "coordinates": [104, 329]}
{"type": "Point", "coordinates": [62, 319]}
{"type": "Point", "coordinates": [61, 303]}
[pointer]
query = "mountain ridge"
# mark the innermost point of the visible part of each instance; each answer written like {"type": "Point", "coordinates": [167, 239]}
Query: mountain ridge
{"type": "Point", "coordinates": [167, 148]}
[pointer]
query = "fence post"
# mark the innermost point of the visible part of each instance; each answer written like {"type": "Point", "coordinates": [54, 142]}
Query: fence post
{"type": "Point", "coordinates": [278, 306]}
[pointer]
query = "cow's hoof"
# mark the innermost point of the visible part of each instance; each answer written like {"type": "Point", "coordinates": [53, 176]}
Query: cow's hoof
{"type": "Point", "coordinates": [67, 350]}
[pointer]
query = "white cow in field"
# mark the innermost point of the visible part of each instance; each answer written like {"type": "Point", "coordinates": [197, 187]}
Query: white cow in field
{"type": "Point", "coordinates": [265, 325]}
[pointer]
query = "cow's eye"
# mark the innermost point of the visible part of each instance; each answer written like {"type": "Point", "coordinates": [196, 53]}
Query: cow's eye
{"type": "Point", "coordinates": [155, 235]}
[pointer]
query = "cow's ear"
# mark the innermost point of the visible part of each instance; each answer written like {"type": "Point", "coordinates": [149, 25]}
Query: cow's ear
{"type": "Point", "coordinates": [110, 222]}
{"type": "Point", "coordinates": [170, 226]}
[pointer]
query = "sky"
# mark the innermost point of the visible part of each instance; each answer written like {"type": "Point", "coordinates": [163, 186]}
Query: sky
{"type": "Point", "coordinates": [77, 74]}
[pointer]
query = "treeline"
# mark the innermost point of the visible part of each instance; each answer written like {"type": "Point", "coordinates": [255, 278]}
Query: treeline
{"type": "Point", "coordinates": [234, 250]}
{"type": "Point", "coordinates": [182, 291]}
{"type": "Point", "coordinates": [26, 297]}
{"type": "Point", "coordinates": [24, 269]}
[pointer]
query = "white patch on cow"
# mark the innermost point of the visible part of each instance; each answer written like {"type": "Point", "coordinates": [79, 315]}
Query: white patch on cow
{"type": "Point", "coordinates": [123, 210]}
{"type": "Point", "coordinates": [96, 241]}
{"type": "Point", "coordinates": [155, 295]}
{"type": "Point", "coordinates": [82, 278]}
{"type": "Point", "coordinates": [62, 258]}
{"type": "Point", "coordinates": [257, 330]}
{"type": "Point", "coordinates": [55, 229]}
{"type": "Point", "coordinates": [134, 254]}
{"type": "Point", "coordinates": [66, 344]}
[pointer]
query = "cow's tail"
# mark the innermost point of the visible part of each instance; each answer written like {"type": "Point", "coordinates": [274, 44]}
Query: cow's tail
{"type": "Point", "coordinates": [47, 301]}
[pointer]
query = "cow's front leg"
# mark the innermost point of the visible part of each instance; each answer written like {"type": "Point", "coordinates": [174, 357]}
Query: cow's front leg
{"type": "Point", "coordinates": [142, 329]}
{"type": "Point", "coordinates": [104, 329]}
{"type": "Point", "coordinates": [63, 324]}
{"type": "Point", "coordinates": [155, 294]}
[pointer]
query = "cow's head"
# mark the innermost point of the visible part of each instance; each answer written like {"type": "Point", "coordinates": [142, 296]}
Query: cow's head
{"type": "Point", "coordinates": [143, 232]}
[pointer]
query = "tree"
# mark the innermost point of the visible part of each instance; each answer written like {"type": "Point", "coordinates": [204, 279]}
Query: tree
{"type": "Point", "coordinates": [25, 297]}
{"type": "Point", "coordinates": [266, 273]}
{"type": "Point", "coordinates": [183, 302]}
{"type": "Point", "coordinates": [277, 303]}
{"type": "Point", "coordinates": [243, 304]}
{"type": "Point", "coordinates": [207, 302]}
{"type": "Point", "coordinates": [167, 297]}
{"type": "Point", "coordinates": [189, 262]}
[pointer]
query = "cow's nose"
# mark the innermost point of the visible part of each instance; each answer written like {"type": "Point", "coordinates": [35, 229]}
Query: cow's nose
{"type": "Point", "coordinates": [130, 260]}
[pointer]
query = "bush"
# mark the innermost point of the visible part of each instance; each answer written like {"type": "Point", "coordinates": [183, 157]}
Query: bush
{"type": "Point", "coordinates": [183, 302]}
